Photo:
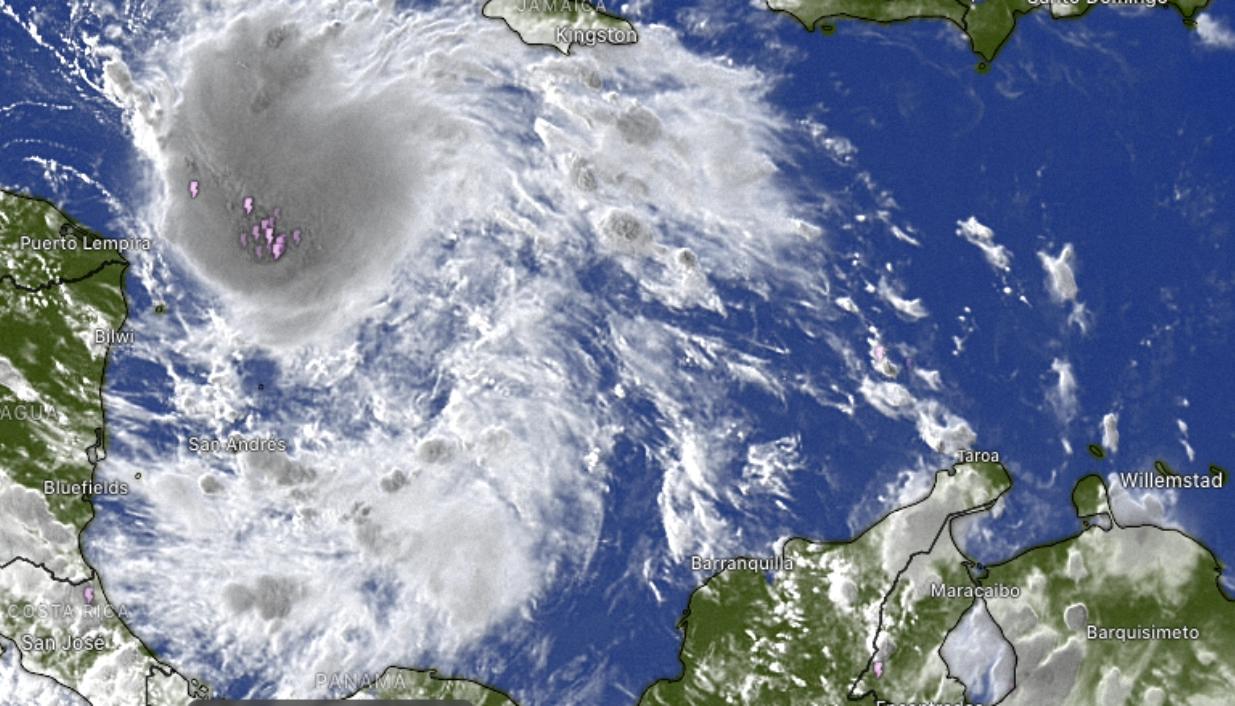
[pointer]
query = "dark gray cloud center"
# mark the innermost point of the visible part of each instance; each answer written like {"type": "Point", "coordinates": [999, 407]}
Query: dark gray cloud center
{"type": "Point", "coordinates": [269, 111]}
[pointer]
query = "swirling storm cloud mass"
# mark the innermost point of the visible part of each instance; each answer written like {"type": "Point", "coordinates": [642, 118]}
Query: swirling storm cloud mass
{"type": "Point", "coordinates": [496, 264]}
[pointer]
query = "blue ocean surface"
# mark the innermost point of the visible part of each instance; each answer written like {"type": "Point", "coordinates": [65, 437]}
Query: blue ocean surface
{"type": "Point", "coordinates": [1112, 134]}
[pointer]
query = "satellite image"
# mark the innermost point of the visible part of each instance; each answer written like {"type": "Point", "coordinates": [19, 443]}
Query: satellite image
{"type": "Point", "coordinates": [654, 353]}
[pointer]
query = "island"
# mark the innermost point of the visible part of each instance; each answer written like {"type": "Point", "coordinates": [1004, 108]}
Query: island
{"type": "Point", "coordinates": [987, 24]}
{"type": "Point", "coordinates": [561, 24]}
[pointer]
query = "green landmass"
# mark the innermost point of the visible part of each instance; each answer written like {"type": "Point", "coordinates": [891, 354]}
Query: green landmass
{"type": "Point", "coordinates": [809, 633]}
{"type": "Point", "coordinates": [1164, 469]}
{"type": "Point", "coordinates": [397, 683]}
{"type": "Point", "coordinates": [1121, 577]}
{"type": "Point", "coordinates": [538, 22]}
{"type": "Point", "coordinates": [1089, 497]}
{"type": "Point", "coordinates": [85, 647]}
{"type": "Point", "coordinates": [59, 285]}
{"type": "Point", "coordinates": [1221, 473]}
{"type": "Point", "coordinates": [51, 303]}
{"type": "Point", "coordinates": [987, 24]}
{"type": "Point", "coordinates": [842, 627]}
{"type": "Point", "coordinates": [911, 626]}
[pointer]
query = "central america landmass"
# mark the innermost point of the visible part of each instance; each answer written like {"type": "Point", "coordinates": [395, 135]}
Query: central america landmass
{"type": "Point", "coordinates": [61, 304]}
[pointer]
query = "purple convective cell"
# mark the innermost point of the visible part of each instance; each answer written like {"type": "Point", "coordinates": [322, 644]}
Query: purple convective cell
{"type": "Point", "coordinates": [194, 188]}
{"type": "Point", "coordinates": [265, 236]}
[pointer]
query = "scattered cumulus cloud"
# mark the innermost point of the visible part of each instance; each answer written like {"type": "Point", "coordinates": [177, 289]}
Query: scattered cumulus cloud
{"type": "Point", "coordinates": [1214, 32]}
{"type": "Point", "coordinates": [1110, 431]}
{"type": "Point", "coordinates": [1062, 395]}
{"type": "Point", "coordinates": [691, 518]}
{"type": "Point", "coordinates": [900, 234]}
{"type": "Point", "coordinates": [912, 308]}
{"type": "Point", "coordinates": [938, 427]}
{"type": "Point", "coordinates": [931, 378]}
{"type": "Point", "coordinates": [1183, 439]}
{"type": "Point", "coordinates": [1061, 283]}
{"type": "Point", "coordinates": [907, 486]}
{"type": "Point", "coordinates": [984, 239]}
{"type": "Point", "coordinates": [1060, 275]}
